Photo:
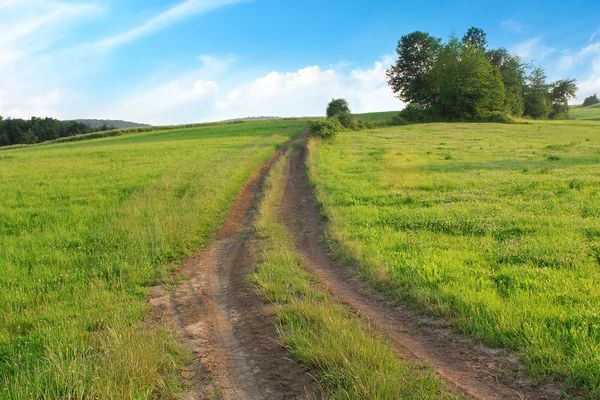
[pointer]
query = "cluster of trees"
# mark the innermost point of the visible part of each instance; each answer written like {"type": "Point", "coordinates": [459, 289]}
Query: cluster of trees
{"type": "Point", "coordinates": [463, 79]}
{"type": "Point", "coordinates": [590, 101]}
{"type": "Point", "coordinates": [35, 130]}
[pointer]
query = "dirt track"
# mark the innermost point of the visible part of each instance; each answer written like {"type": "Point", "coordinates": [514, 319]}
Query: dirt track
{"type": "Point", "coordinates": [232, 333]}
{"type": "Point", "coordinates": [225, 322]}
{"type": "Point", "coordinates": [475, 370]}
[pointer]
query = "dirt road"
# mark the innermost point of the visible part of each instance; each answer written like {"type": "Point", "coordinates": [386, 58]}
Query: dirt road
{"type": "Point", "coordinates": [225, 322]}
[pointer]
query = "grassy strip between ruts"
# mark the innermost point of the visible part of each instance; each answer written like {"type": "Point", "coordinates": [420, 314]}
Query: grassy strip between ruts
{"type": "Point", "coordinates": [351, 359]}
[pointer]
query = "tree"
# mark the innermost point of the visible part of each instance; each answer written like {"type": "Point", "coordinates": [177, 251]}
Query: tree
{"type": "Point", "coordinates": [561, 92]}
{"type": "Point", "coordinates": [337, 106]}
{"type": "Point", "coordinates": [536, 95]}
{"type": "Point", "coordinates": [410, 77]}
{"type": "Point", "coordinates": [512, 72]}
{"type": "Point", "coordinates": [470, 86]}
{"type": "Point", "coordinates": [590, 101]}
{"type": "Point", "coordinates": [475, 38]}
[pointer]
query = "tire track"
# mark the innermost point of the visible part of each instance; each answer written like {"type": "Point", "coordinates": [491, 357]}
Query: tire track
{"type": "Point", "coordinates": [225, 322]}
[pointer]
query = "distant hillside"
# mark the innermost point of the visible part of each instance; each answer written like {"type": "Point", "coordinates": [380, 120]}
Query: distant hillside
{"type": "Point", "coordinates": [590, 113]}
{"type": "Point", "coordinates": [97, 123]}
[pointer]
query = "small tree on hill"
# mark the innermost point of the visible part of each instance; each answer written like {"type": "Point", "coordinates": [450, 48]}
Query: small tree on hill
{"type": "Point", "coordinates": [337, 106]}
{"type": "Point", "coordinates": [590, 101]}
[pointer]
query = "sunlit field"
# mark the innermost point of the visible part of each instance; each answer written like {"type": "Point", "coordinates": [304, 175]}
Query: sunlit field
{"type": "Point", "coordinates": [495, 227]}
{"type": "Point", "coordinates": [85, 229]}
{"type": "Point", "coordinates": [589, 113]}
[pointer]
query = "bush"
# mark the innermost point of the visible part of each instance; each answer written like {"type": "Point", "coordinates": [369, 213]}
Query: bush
{"type": "Point", "coordinates": [496, 117]}
{"type": "Point", "coordinates": [349, 121]}
{"type": "Point", "coordinates": [325, 128]}
{"type": "Point", "coordinates": [398, 120]}
{"type": "Point", "coordinates": [413, 114]}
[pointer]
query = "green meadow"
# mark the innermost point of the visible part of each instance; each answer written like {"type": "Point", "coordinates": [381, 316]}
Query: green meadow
{"type": "Point", "coordinates": [588, 113]}
{"type": "Point", "coordinates": [493, 227]}
{"type": "Point", "coordinates": [86, 229]}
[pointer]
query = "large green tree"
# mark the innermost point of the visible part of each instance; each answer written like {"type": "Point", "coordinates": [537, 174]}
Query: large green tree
{"type": "Point", "coordinates": [512, 71]}
{"type": "Point", "coordinates": [470, 86]}
{"type": "Point", "coordinates": [410, 77]}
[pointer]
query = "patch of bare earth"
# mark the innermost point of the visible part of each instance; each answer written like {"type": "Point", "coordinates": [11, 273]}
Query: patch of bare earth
{"type": "Point", "coordinates": [470, 368]}
{"type": "Point", "coordinates": [225, 322]}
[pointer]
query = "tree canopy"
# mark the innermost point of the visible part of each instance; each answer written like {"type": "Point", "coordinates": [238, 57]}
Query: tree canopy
{"type": "Point", "coordinates": [463, 79]}
{"type": "Point", "coordinates": [20, 131]}
{"type": "Point", "coordinates": [337, 106]}
{"type": "Point", "coordinates": [591, 100]}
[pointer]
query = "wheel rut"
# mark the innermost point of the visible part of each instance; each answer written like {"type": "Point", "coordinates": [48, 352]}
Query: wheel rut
{"type": "Point", "coordinates": [469, 368]}
{"type": "Point", "coordinates": [225, 322]}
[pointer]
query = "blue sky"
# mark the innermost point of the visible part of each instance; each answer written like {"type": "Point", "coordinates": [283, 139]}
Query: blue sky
{"type": "Point", "coordinates": [179, 61]}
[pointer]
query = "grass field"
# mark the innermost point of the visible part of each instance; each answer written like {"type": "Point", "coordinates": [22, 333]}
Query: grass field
{"type": "Point", "coordinates": [351, 361]}
{"type": "Point", "coordinates": [85, 229]}
{"type": "Point", "coordinates": [378, 118]}
{"type": "Point", "coordinates": [495, 227]}
{"type": "Point", "coordinates": [589, 113]}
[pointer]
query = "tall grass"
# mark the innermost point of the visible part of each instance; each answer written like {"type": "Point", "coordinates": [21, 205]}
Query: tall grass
{"type": "Point", "coordinates": [85, 229]}
{"type": "Point", "coordinates": [493, 226]}
{"type": "Point", "coordinates": [351, 360]}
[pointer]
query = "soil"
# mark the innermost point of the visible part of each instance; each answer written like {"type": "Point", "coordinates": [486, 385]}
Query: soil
{"type": "Point", "coordinates": [225, 322]}
{"type": "Point", "coordinates": [470, 368]}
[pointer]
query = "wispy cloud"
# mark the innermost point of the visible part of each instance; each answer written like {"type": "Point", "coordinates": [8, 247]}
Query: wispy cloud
{"type": "Point", "coordinates": [515, 26]}
{"type": "Point", "coordinates": [594, 35]}
{"type": "Point", "coordinates": [533, 49]}
{"type": "Point", "coordinates": [161, 21]}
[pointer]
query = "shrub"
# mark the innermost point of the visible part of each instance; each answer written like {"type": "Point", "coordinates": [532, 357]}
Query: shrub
{"type": "Point", "coordinates": [325, 128]}
{"type": "Point", "coordinates": [398, 120]}
{"type": "Point", "coordinates": [497, 117]}
{"type": "Point", "coordinates": [414, 114]}
{"type": "Point", "coordinates": [349, 121]}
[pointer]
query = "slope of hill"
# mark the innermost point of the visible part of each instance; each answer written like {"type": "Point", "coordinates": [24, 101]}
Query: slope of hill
{"type": "Point", "coordinates": [590, 113]}
{"type": "Point", "coordinates": [97, 123]}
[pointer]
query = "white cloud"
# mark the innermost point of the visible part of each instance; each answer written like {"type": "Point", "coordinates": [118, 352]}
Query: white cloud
{"type": "Point", "coordinates": [30, 77]}
{"type": "Point", "coordinates": [305, 92]}
{"type": "Point", "coordinates": [37, 68]}
{"type": "Point", "coordinates": [171, 103]}
{"type": "Point", "coordinates": [161, 21]}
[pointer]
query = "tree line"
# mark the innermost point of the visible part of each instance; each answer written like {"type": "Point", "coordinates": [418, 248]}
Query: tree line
{"type": "Point", "coordinates": [19, 131]}
{"type": "Point", "coordinates": [464, 80]}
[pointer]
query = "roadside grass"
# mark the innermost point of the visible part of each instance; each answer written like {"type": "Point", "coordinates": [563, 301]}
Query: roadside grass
{"type": "Point", "coordinates": [352, 361]}
{"type": "Point", "coordinates": [86, 229]}
{"type": "Point", "coordinates": [495, 227]}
